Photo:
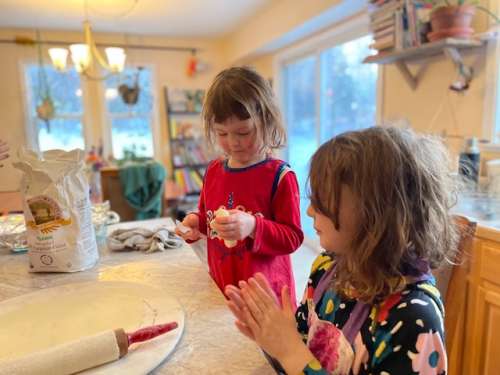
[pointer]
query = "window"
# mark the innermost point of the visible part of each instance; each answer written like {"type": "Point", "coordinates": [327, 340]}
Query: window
{"type": "Point", "coordinates": [65, 130]}
{"type": "Point", "coordinates": [491, 117]}
{"type": "Point", "coordinates": [300, 107]}
{"type": "Point", "coordinates": [348, 88]}
{"type": "Point", "coordinates": [131, 125]}
{"type": "Point", "coordinates": [325, 93]}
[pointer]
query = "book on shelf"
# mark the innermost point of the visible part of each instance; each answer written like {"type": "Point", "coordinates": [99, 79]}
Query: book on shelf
{"type": "Point", "coordinates": [381, 26]}
{"type": "Point", "coordinates": [398, 24]}
{"type": "Point", "coordinates": [383, 44]}
{"type": "Point", "coordinates": [183, 129]}
{"type": "Point", "coordinates": [188, 153]}
{"type": "Point", "coordinates": [190, 181]}
{"type": "Point", "coordinates": [385, 11]}
{"type": "Point", "coordinates": [377, 35]}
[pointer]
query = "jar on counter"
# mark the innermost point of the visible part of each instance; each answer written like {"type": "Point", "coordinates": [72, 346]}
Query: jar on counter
{"type": "Point", "coordinates": [469, 160]}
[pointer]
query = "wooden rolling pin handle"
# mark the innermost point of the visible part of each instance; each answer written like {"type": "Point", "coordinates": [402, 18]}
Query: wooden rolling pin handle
{"type": "Point", "coordinates": [122, 341]}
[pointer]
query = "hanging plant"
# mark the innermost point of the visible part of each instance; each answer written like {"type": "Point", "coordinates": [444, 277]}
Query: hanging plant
{"type": "Point", "coordinates": [130, 94]}
{"type": "Point", "coordinates": [45, 110]}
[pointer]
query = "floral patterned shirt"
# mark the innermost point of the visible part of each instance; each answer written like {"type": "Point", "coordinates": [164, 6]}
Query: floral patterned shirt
{"type": "Point", "coordinates": [402, 335]}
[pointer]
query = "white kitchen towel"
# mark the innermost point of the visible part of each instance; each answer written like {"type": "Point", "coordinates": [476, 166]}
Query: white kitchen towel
{"type": "Point", "coordinates": [143, 239]}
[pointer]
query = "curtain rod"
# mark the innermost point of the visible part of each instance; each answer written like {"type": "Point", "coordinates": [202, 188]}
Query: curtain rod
{"type": "Point", "coordinates": [30, 41]}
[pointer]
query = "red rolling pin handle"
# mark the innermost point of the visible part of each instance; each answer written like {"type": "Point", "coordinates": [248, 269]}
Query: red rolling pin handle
{"type": "Point", "coordinates": [149, 333]}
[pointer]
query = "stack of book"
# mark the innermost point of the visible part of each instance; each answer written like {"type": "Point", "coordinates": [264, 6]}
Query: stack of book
{"type": "Point", "coordinates": [384, 19]}
{"type": "Point", "coordinates": [398, 24]}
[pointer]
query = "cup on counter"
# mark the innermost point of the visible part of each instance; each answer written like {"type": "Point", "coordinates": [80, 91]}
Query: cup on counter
{"type": "Point", "coordinates": [102, 216]}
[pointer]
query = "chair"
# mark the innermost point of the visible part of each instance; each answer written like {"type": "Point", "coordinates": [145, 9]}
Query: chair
{"type": "Point", "coordinates": [451, 281]}
{"type": "Point", "coordinates": [134, 191]}
{"type": "Point", "coordinates": [112, 191]}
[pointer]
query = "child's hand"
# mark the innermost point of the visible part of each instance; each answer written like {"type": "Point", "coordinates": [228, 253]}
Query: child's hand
{"type": "Point", "coordinates": [191, 221]}
{"type": "Point", "coordinates": [237, 226]}
{"type": "Point", "coordinates": [236, 305]}
{"type": "Point", "coordinates": [272, 327]}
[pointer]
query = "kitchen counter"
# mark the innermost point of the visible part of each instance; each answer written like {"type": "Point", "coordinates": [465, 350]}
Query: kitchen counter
{"type": "Point", "coordinates": [211, 344]}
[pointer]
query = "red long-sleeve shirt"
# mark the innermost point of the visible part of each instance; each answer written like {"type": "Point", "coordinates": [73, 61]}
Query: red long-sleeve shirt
{"type": "Point", "coordinates": [270, 192]}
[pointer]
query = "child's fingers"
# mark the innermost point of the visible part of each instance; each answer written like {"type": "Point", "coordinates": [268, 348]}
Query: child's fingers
{"type": "Point", "coordinates": [253, 303]}
{"type": "Point", "coordinates": [191, 220]}
{"type": "Point", "coordinates": [266, 299]}
{"type": "Point", "coordinates": [264, 284]}
{"type": "Point", "coordinates": [243, 328]}
{"type": "Point", "coordinates": [221, 227]}
{"type": "Point", "coordinates": [193, 235]}
{"type": "Point", "coordinates": [285, 299]}
{"type": "Point", "coordinates": [250, 321]}
{"type": "Point", "coordinates": [235, 296]}
{"type": "Point", "coordinates": [225, 220]}
{"type": "Point", "coordinates": [236, 311]}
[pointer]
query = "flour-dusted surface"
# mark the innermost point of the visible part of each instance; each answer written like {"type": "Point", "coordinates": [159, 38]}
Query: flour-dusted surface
{"type": "Point", "coordinates": [210, 343]}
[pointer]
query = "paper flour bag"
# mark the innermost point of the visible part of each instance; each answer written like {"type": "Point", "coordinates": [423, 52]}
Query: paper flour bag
{"type": "Point", "coordinates": [57, 211]}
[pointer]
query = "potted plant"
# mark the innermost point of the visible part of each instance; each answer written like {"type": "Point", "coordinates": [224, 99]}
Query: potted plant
{"type": "Point", "coordinates": [453, 18]}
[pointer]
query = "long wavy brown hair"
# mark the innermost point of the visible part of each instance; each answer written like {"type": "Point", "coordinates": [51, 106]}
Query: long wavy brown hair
{"type": "Point", "coordinates": [242, 92]}
{"type": "Point", "coordinates": [404, 189]}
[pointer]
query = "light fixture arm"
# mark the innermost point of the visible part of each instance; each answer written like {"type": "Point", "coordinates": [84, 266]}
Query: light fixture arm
{"type": "Point", "coordinates": [90, 42]}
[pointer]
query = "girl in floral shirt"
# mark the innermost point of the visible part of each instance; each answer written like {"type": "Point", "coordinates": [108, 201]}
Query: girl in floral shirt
{"type": "Point", "coordinates": [379, 199]}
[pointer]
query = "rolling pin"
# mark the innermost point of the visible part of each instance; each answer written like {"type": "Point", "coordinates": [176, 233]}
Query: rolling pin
{"type": "Point", "coordinates": [81, 354]}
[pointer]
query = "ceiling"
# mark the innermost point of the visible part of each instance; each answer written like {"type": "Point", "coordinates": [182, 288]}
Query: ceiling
{"type": "Point", "coordinates": [176, 18]}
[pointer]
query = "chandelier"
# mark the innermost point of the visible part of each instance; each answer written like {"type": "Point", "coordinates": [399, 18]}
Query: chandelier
{"type": "Point", "coordinates": [84, 54]}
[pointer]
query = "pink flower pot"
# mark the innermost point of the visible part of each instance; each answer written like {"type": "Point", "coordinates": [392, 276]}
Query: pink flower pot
{"type": "Point", "coordinates": [452, 22]}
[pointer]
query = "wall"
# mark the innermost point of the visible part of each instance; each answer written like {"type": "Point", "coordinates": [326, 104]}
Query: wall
{"type": "Point", "coordinates": [432, 107]}
{"type": "Point", "coordinates": [168, 67]}
{"type": "Point", "coordinates": [271, 24]}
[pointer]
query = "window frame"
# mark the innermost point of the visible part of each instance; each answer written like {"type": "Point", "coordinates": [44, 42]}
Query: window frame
{"type": "Point", "coordinates": [32, 135]}
{"type": "Point", "coordinates": [349, 29]}
{"type": "Point", "coordinates": [153, 115]}
{"type": "Point", "coordinates": [491, 115]}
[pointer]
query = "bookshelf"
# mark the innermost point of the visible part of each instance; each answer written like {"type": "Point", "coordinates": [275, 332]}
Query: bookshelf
{"type": "Point", "coordinates": [188, 155]}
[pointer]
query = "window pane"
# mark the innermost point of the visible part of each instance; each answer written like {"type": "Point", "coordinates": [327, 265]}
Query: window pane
{"type": "Point", "coordinates": [65, 130]}
{"type": "Point", "coordinates": [300, 103]}
{"type": "Point", "coordinates": [64, 134]}
{"type": "Point", "coordinates": [132, 134]}
{"type": "Point", "coordinates": [131, 124]}
{"type": "Point", "coordinates": [348, 88]}
{"type": "Point", "coordinates": [114, 101]}
{"type": "Point", "coordinates": [63, 87]}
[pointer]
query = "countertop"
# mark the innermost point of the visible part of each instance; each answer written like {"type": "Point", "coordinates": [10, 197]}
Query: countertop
{"type": "Point", "coordinates": [211, 344]}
